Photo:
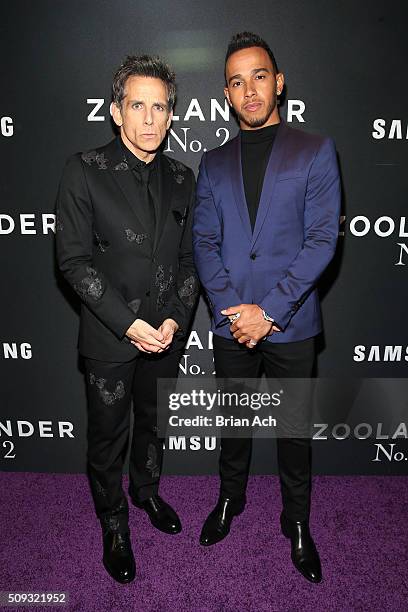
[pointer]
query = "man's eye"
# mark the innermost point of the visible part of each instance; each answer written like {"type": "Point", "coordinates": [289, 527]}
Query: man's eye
{"type": "Point", "coordinates": [260, 76]}
{"type": "Point", "coordinates": [137, 105]}
{"type": "Point", "coordinates": [236, 83]}
{"type": "Point", "coordinates": [159, 107]}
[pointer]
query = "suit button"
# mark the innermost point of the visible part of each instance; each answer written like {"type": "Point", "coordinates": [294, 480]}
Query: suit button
{"type": "Point", "coordinates": [147, 293]}
{"type": "Point", "coordinates": [253, 255]}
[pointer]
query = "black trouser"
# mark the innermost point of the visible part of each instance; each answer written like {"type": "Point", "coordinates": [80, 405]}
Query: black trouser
{"type": "Point", "coordinates": [111, 388]}
{"type": "Point", "coordinates": [286, 360]}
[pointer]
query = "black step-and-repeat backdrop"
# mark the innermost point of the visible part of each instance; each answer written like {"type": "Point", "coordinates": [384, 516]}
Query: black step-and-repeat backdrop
{"type": "Point", "coordinates": [345, 68]}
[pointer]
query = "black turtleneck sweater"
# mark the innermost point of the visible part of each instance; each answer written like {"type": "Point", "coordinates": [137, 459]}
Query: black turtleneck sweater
{"type": "Point", "coordinates": [256, 147]}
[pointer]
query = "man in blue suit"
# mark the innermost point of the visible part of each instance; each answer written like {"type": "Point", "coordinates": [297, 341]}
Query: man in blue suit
{"type": "Point", "coordinates": [265, 228]}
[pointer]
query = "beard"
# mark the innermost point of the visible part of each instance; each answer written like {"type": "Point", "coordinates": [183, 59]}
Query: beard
{"type": "Point", "coordinates": [256, 122]}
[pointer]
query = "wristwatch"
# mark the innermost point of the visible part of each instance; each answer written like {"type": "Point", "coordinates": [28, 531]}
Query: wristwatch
{"type": "Point", "coordinates": [267, 317]}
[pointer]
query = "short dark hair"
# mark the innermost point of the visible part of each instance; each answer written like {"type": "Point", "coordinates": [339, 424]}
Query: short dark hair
{"type": "Point", "coordinates": [244, 40]}
{"type": "Point", "coordinates": [146, 66]}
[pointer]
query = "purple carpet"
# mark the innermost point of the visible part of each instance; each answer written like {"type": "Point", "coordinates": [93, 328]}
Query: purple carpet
{"type": "Point", "coordinates": [51, 541]}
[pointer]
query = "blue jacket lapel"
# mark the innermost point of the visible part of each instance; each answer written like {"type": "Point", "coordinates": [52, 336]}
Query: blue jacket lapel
{"type": "Point", "coordinates": [271, 174]}
{"type": "Point", "coordinates": [238, 185]}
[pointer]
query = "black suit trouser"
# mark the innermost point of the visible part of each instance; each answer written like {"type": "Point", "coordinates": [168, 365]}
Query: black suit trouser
{"type": "Point", "coordinates": [286, 360]}
{"type": "Point", "coordinates": [111, 390]}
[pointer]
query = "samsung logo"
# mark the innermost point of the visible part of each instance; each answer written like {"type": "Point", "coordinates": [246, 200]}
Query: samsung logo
{"type": "Point", "coordinates": [388, 353]}
{"type": "Point", "coordinates": [395, 129]}
{"type": "Point", "coordinates": [195, 443]}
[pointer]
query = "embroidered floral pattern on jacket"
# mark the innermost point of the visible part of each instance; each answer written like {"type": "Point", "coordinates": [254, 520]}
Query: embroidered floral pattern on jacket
{"type": "Point", "coordinates": [163, 284]}
{"type": "Point", "coordinates": [108, 397]}
{"type": "Point", "coordinates": [103, 245]}
{"type": "Point", "coordinates": [90, 286]}
{"type": "Point", "coordinates": [133, 237]}
{"type": "Point", "coordinates": [178, 169]}
{"type": "Point", "coordinates": [188, 291]}
{"type": "Point", "coordinates": [121, 166]}
{"type": "Point", "coordinates": [91, 157]}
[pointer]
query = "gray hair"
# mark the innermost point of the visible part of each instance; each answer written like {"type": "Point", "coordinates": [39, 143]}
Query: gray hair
{"type": "Point", "coordinates": [147, 66]}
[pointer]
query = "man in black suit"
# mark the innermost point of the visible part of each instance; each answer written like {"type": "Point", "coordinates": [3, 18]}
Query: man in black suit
{"type": "Point", "coordinates": [124, 244]}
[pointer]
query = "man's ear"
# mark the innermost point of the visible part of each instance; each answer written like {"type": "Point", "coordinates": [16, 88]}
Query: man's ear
{"type": "Point", "coordinates": [116, 114]}
{"type": "Point", "coordinates": [169, 120]}
{"type": "Point", "coordinates": [226, 94]}
{"type": "Point", "coordinates": [280, 82]}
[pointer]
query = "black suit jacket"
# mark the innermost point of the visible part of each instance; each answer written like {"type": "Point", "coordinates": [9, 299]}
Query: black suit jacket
{"type": "Point", "coordinates": [105, 253]}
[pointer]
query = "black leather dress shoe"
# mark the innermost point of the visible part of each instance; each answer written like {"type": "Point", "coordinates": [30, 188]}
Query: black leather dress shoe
{"type": "Point", "coordinates": [118, 556]}
{"type": "Point", "coordinates": [304, 553]}
{"type": "Point", "coordinates": [218, 523]}
{"type": "Point", "coordinates": [161, 514]}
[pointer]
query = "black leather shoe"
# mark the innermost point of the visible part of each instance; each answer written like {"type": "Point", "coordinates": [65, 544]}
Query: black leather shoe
{"type": "Point", "coordinates": [161, 514]}
{"type": "Point", "coordinates": [304, 553]}
{"type": "Point", "coordinates": [218, 523]}
{"type": "Point", "coordinates": [118, 556]}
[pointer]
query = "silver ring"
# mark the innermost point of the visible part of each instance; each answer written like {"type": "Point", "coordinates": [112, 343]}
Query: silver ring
{"type": "Point", "coordinates": [234, 317]}
{"type": "Point", "coordinates": [252, 343]}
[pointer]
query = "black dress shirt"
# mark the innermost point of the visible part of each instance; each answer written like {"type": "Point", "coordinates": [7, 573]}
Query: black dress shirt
{"type": "Point", "coordinates": [147, 187]}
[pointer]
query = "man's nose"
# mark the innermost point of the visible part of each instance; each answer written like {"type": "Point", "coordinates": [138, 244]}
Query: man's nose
{"type": "Point", "coordinates": [148, 117]}
{"type": "Point", "coordinates": [249, 90]}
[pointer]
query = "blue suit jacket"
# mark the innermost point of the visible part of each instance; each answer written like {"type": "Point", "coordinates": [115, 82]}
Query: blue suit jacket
{"type": "Point", "coordinates": [277, 266]}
